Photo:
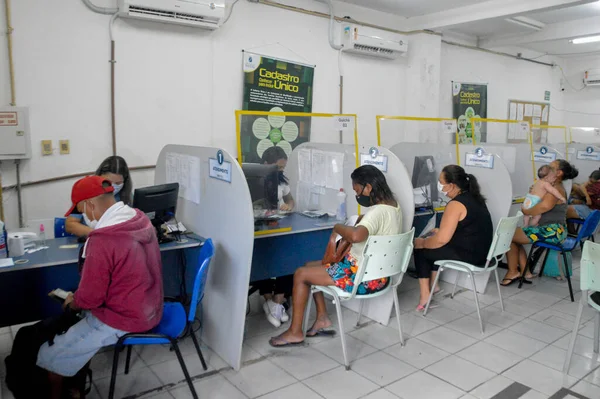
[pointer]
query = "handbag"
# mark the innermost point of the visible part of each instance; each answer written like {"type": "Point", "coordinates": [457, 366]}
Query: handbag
{"type": "Point", "coordinates": [337, 249]}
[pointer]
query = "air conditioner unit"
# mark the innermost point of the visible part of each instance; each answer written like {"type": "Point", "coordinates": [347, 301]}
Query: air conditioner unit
{"type": "Point", "coordinates": [197, 13]}
{"type": "Point", "coordinates": [374, 42]}
{"type": "Point", "coordinates": [592, 77]}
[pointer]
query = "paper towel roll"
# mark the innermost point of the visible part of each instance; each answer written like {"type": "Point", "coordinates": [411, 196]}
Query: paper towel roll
{"type": "Point", "coordinates": [16, 246]}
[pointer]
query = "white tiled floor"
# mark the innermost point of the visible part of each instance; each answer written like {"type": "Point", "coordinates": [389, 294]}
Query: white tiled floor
{"type": "Point", "coordinates": [445, 356]}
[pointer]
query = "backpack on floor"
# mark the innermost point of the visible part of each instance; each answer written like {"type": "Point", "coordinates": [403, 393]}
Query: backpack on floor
{"type": "Point", "coordinates": [24, 378]}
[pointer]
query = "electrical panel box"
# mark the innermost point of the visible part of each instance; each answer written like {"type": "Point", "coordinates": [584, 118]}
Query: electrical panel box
{"type": "Point", "coordinates": [15, 136]}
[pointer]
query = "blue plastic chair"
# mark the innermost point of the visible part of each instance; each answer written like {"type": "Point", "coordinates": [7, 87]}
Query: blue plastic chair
{"type": "Point", "coordinates": [174, 325]}
{"type": "Point", "coordinates": [578, 223]}
{"type": "Point", "coordinates": [59, 228]}
{"type": "Point", "coordinates": [587, 230]}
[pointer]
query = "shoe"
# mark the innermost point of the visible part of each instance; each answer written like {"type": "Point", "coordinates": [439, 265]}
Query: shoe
{"type": "Point", "coordinates": [270, 309]}
{"type": "Point", "coordinates": [284, 316]}
{"type": "Point", "coordinates": [432, 305]}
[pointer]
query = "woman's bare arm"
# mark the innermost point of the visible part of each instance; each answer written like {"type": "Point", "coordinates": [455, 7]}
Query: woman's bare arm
{"type": "Point", "coordinates": [454, 212]}
{"type": "Point", "coordinates": [547, 203]}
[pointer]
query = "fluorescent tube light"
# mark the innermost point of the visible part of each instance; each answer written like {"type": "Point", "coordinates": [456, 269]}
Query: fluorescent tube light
{"type": "Point", "coordinates": [526, 22]}
{"type": "Point", "coordinates": [583, 40]}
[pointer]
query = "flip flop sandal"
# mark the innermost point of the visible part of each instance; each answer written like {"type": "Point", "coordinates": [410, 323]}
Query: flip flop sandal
{"type": "Point", "coordinates": [320, 333]}
{"type": "Point", "coordinates": [285, 343]}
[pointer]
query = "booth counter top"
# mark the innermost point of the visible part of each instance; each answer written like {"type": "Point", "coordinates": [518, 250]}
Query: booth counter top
{"type": "Point", "coordinates": [295, 223]}
{"type": "Point", "coordinates": [63, 251]}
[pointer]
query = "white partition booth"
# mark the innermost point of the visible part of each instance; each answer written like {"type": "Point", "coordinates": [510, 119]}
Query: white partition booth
{"type": "Point", "coordinates": [586, 158]}
{"type": "Point", "coordinates": [495, 183]}
{"type": "Point", "coordinates": [215, 203]}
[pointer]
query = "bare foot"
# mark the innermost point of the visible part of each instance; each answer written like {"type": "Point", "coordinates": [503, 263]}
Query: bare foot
{"type": "Point", "coordinates": [321, 323]}
{"type": "Point", "coordinates": [286, 339]}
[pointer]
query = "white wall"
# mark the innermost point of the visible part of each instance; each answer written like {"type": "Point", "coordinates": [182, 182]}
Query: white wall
{"type": "Point", "coordinates": [175, 85]}
{"type": "Point", "coordinates": [582, 104]}
{"type": "Point", "coordinates": [507, 79]}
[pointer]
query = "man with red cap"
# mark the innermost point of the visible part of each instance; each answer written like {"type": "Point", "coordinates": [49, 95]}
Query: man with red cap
{"type": "Point", "coordinates": [121, 288]}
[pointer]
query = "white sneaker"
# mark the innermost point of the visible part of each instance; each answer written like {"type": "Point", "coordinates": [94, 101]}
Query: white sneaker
{"type": "Point", "coordinates": [284, 316]}
{"type": "Point", "coordinates": [271, 309]}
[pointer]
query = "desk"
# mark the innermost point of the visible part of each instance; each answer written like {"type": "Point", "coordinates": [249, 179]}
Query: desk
{"type": "Point", "coordinates": [282, 252]}
{"type": "Point", "coordinates": [26, 286]}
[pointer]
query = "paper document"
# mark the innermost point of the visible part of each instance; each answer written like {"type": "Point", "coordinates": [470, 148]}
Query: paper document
{"type": "Point", "coordinates": [6, 262]}
{"type": "Point", "coordinates": [536, 121]}
{"type": "Point", "coordinates": [335, 170]}
{"type": "Point", "coordinates": [512, 114]}
{"type": "Point", "coordinates": [429, 226]}
{"type": "Point", "coordinates": [351, 221]}
{"type": "Point", "coordinates": [545, 114]}
{"type": "Point", "coordinates": [537, 111]}
{"type": "Point", "coordinates": [304, 166]}
{"type": "Point", "coordinates": [528, 109]}
{"type": "Point", "coordinates": [519, 112]}
{"type": "Point", "coordinates": [319, 168]}
{"type": "Point", "coordinates": [185, 170]}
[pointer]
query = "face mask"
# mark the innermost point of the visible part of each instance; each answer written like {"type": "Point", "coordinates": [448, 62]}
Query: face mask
{"type": "Point", "coordinates": [363, 200]}
{"type": "Point", "coordinates": [90, 223]}
{"type": "Point", "coordinates": [117, 188]}
{"type": "Point", "coordinates": [440, 188]}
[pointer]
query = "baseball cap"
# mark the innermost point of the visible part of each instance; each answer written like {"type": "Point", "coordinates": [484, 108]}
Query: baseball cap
{"type": "Point", "coordinates": [88, 187]}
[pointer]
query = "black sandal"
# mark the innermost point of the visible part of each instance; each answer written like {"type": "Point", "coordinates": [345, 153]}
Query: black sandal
{"type": "Point", "coordinates": [510, 281]}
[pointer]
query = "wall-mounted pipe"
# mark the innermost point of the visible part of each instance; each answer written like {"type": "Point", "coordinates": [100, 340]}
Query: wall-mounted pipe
{"type": "Point", "coordinates": [11, 65]}
{"type": "Point", "coordinates": [516, 57]}
{"type": "Point", "coordinates": [331, 20]}
{"type": "Point", "coordinates": [99, 10]}
{"type": "Point", "coordinates": [19, 192]}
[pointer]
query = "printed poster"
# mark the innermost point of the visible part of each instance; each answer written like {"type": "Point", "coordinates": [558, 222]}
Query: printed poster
{"type": "Point", "coordinates": [274, 85]}
{"type": "Point", "coordinates": [470, 101]}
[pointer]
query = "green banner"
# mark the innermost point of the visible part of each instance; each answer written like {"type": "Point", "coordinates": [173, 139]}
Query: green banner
{"type": "Point", "coordinates": [274, 85]}
{"type": "Point", "coordinates": [469, 101]}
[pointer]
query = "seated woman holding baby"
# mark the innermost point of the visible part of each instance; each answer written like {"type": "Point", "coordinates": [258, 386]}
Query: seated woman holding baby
{"type": "Point", "coordinates": [545, 213]}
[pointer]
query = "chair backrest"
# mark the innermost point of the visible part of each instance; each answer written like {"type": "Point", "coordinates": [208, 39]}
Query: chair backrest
{"type": "Point", "coordinates": [206, 254]}
{"type": "Point", "coordinates": [589, 226]}
{"type": "Point", "coordinates": [503, 237]}
{"type": "Point", "coordinates": [60, 229]}
{"type": "Point", "coordinates": [384, 256]}
{"type": "Point", "coordinates": [590, 267]}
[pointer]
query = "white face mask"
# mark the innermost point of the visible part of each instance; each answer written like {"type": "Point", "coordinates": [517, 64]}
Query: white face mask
{"type": "Point", "coordinates": [117, 188]}
{"type": "Point", "coordinates": [440, 188]}
{"type": "Point", "coordinates": [90, 223]}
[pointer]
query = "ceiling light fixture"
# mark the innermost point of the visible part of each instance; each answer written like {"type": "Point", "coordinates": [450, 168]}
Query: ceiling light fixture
{"type": "Point", "coordinates": [583, 40]}
{"type": "Point", "coordinates": [526, 22]}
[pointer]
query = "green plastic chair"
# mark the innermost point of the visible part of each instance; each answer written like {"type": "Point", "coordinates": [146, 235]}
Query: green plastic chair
{"type": "Point", "coordinates": [500, 245]}
{"type": "Point", "coordinates": [590, 284]}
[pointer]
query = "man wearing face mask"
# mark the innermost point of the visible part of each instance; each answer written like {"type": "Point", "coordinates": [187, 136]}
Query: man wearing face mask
{"type": "Point", "coordinates": [121, 288]}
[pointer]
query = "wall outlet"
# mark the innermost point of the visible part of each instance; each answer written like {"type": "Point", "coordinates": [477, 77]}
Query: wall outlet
{"type": "Point", "coordinates": [46, 147]}
{"type": "Point", "coordinates": [65, 147]}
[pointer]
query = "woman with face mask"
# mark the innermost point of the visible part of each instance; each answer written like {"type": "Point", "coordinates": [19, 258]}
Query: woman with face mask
{"type": "Point", "coordinates": [115, 170]}
{"type": "Point", "coordinates": [383, 217]}
{"type": "Point", "coordinates": [465, 232]}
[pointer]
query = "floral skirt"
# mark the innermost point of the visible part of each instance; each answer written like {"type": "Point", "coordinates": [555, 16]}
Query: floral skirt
{"type": "Point", "coordinates": [554, 233]}
{"type": "Point", "coordinates": [344, 272]}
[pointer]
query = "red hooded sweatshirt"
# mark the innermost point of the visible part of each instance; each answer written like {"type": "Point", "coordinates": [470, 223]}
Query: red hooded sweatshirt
{"type": "Point", "coordinates": [121, 283]}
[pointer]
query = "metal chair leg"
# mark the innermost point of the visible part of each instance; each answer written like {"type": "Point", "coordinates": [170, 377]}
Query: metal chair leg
{"type": "Point", "coordinates": [397, 306]}
{"type": "Point", "coordinates": [197, 345]}
{"type": "Point", "coordinates": [472, 277]}
{"type": "Point", "coordinates": [499, 290]}
{"type": "Point", "coordinates": [567, 270]}
{"type": "Point", "coordinates": [437, 277]}
{"type": "Point", "coordinates": [597, 332]}
{"type": "Point", "coordinates": [128, 359]}
{"type": "Point", "coordinates": [541, 273]}
{"type": "Point", "coordinates": [338, 309]}
{"type": "Point", "coordinates": [307, 314]}
{"type": "Point", "coordinates": [113, 374]}
{"type": "Point", "coordinates": [567, 364]}
{"type": "Point", "coordinates": [360, 310]}
{"type": "Point", "coordinates": [455, 284]}
{"type": "Point", "coordinates": [184, 368]}
{"type": "Point", "coordinates": [527, 266]}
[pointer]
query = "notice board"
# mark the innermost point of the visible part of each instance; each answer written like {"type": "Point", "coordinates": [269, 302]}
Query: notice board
{"type": "Point", "coordinates": [536, 113]}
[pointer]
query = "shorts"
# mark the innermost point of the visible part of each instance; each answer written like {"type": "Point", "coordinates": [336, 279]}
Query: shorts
{"type": "Point", "coordinates": [73, 349]}
{"type": "Point", "coordinates": [583, 211]}
{"type": "Point", "coordinates": [531, 201]}
{"type": "Point", "coordinates": [344, 273]}
{"type": "Point", "coordinates": [553, 234]}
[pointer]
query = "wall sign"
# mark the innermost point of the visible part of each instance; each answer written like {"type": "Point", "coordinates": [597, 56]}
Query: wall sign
{"type": "Point", "coordinates": [588, 155]}
{"type": "Point", "coordinates": [543, 155]}
{"type": "Point", "coordinates": [343, 122]}
{"type": "Point", "coordinates": [373, 158]}
{"type": "Point", "coordinates": [219, 169]}
{"type": "Point", "coordinates": [479, 159]}
{"type": "Point", "coordinates": [449, 126]}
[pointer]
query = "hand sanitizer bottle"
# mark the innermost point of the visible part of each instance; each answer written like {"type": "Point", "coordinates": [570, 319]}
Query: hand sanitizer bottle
{"type": "Point", "coordinates": [340, 214]}
{"type": "Point", "coordinates": [42, 236]}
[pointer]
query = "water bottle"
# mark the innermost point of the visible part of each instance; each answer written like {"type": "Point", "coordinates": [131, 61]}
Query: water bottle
{"type": "Point", "coordinates": [3, 240]}
{"type": "Point", "coordinates": [340, 214]}
{"type": "Point", "coordinates": [42, 236]}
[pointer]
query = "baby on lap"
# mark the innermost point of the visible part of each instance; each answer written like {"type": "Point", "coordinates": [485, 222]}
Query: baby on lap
{"type": "Point", "coordinates": [544, 185]}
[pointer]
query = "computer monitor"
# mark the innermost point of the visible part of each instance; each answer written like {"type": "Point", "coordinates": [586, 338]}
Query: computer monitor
{"type": "Point", "coordinates": [159, 203]}
{"type": "Point", "coordinates": [424, 180]}
{"type": "Point", "coordinates": [263, 181]}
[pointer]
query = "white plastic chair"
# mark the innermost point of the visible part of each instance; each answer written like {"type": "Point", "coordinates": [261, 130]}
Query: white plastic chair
{"type": "Point", "coordinates": [590, 283]}
{"type": "Point", "coordinates": [500, 245]}
{"type": "Point", "coordinates": [383, 256]}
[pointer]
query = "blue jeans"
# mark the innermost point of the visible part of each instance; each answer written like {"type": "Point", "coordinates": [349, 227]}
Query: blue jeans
{"type": "Point", "coordinates": [72, 350]}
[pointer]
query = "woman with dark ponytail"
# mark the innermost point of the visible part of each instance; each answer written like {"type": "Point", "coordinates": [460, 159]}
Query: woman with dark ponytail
{"type": "Point", "coordinates": [465, 233]}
